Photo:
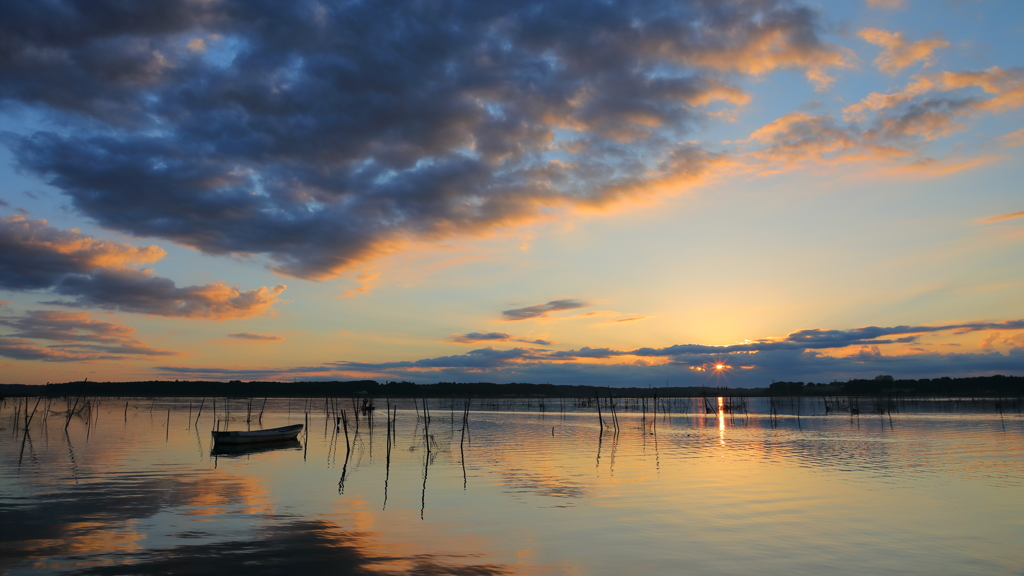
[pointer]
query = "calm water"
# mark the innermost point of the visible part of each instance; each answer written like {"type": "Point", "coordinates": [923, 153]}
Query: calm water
{"type": "Point", "coordinates": [926, 491]}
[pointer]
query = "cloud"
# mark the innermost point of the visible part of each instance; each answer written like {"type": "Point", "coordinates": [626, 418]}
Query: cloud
{"type": "Point", "coordinates": [802, 366]}
{"type": "Point", "coordinates": [298, 142]}
{"type": "Point", "coordinates": [889, 128]}
{"type": "Point", "coordinates": [130, 290]}
{"type": "Point", "coordinates": [897, 53]}
{"type": "Point", "coordinates": [1002, 217]}
{"type": "Point", "coordinates": [542, 310]}
{"type": "Point", "coordinates": [799, 355]}
{"type": "Point", "coordinates": [476, 359]}
{"type": "Point", "coordinates": [1004, 87]}
{"type": "Point", "coordinates": [633, 319]}
{"type": "Point", "coordinates": [988, 342]}
{"type": "Point", "coordinates": [801, 137]}
{"type": "Point", "coordinates": [477, 337]}
{"type": "Point", "coordinates": [367, 282]}
{"type": "Point", "coordinates": [34, 255]}
{"type": "Point", "coordinates": [251, 336]}
{"type": "Point", "coordinates": [1012, 139]}
{"type": "Point", "coordinates": [72, 337]}
{"type": "Point", "coordinates": [474, 337]}
{"type": "Point", "coordinates": [886, 4]}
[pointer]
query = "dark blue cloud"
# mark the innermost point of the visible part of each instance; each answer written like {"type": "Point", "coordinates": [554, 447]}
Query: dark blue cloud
{"type": "Point", "coordinates": [542, 310]}
{"type": "Point", "coordinates": [319, 134]}
{"type": "Point", "coordinates": [477, 337]}
{"type": "Point", "coordinates": [474, 337]}
{"type": "Point", "coordinates": [796, 357]}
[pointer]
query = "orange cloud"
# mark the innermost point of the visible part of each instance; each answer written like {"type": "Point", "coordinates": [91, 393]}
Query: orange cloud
{"type": "Point", "coordinates": [220, 301]}
{"type": "Point", "coordinates": [931, 167]}
{"type": "Point", "coordinates": [1002, 217]}
{"type": "Point", "coordinates": [897, 53]}
{"type": "Point", "coordinates": [71, 337]}
{"type": "Point", "coordinates": [98, 273]}
{"type": "Point", "coordinates": [800, 137]}
{"type": "Point", "coordinates": [876, 101]}
{"type": "Point", "coordinates": [767, 49]}
{"type": "Point", "coordinates": [887, 128]}
{"type": "Point", "coordinates": [38, 237]}
{"type": "Point", "coordinates": [366, 283]}
{"type": "Point", "coordinates": [1013, 138]}
{"type": "Point", "coordinates": [1007, 86]}
{"type": "Point", "coordinates": [987, 342]}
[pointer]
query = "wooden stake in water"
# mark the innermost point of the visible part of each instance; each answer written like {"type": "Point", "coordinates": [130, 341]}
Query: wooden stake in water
{"type": "Point", "coordinates": [28, 417]}
{"type": "Point", "coordinates": [200, 413]}
{"type": "Point", "coordinates": [71, 412]}
{"type": "Point", "coordinates": [344, 423]}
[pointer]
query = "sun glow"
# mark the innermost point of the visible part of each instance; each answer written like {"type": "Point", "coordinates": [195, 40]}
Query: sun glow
{"type": "Point", "coordinates": [718, 366]}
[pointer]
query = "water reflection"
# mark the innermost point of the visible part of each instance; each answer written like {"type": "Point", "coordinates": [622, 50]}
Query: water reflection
{"type": "Point", "coordinates": [792, 488]}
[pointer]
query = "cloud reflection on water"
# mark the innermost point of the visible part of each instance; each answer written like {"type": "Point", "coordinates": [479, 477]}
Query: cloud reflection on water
{"type": "Point", "coordinates": [295, 546]}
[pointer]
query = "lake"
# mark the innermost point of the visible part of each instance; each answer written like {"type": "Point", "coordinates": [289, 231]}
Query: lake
{"type": "Point", "coordinates": [529, 487]}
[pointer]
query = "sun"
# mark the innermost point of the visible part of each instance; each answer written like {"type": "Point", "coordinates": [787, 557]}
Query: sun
{"type": "Point", "coordinates": [716, 367]}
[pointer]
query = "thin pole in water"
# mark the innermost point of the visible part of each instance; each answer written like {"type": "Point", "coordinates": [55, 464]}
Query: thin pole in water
{"type": "Point", "coordinates": [200, 412]}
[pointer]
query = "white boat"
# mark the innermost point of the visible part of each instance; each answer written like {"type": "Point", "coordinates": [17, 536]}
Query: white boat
{"type": "Point", "coordinates": [254, 436]}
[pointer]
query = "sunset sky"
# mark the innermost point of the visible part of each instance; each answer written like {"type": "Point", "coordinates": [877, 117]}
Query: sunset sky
{"type": "Point", "coordinates": [572, 192]}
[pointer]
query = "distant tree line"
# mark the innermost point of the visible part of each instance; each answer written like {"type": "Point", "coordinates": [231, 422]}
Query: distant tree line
{"type": "Point", "coordinates": [977, 386]}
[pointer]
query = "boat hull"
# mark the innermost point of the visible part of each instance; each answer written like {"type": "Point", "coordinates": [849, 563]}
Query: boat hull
{"type": "Point", "coordinates": [257, 436]}
{"type": "Point", "coordinates": [236, 450]}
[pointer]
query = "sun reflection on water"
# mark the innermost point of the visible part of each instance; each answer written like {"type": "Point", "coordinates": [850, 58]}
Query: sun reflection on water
{"type": "Point", "coordinates": [721, 420]}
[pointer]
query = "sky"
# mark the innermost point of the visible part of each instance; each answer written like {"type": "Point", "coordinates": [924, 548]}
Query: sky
{"type": "Point", "coordinates": [680, 193]}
